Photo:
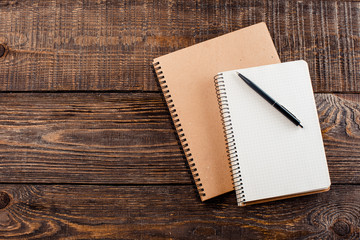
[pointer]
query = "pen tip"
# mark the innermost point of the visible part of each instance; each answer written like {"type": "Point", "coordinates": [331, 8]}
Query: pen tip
{"type": "Point", "coordinates": [301, 125]}
{"type": "Point", "coordinates": [240, 75]}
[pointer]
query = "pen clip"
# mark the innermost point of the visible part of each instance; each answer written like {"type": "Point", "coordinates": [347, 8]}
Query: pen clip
{"type": "Point", "coordinates": [289, 112]}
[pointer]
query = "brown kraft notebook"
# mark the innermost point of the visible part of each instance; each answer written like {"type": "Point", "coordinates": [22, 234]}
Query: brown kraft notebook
{"type": "Point", "coordinates": [186, 79]}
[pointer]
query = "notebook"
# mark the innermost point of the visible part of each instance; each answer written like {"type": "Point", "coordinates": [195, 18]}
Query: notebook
{"type": "Point", "coordinates": [186, 79]}
{"type": "Point", "coordinates": [271, 157]}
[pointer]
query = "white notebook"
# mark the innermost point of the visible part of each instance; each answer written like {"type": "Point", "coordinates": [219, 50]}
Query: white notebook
{"type": "Point", "coordinates": [271, 157]}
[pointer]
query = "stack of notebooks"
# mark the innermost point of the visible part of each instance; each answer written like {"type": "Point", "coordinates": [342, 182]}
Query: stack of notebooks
{"type": "Point", "coordinates": [223, 122]}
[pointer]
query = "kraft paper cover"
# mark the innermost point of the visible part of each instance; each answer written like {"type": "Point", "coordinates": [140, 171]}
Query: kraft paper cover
{"type": "Point", "coordinates": [186, 77]}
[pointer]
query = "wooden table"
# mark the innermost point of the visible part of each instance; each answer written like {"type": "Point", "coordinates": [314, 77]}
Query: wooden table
{"type": "Point", "coordinates": [87, 147]}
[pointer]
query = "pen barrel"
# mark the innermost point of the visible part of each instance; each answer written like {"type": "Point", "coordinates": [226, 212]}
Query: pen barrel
{"type": "Point", "coordinates": [287, 113]}
{"type": "Point", "coordinates": [256, 88]}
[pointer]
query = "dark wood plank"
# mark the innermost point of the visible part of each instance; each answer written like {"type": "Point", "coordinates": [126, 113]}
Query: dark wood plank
{"type": "Point", "coordinates": [171, 212]}
{"type": "Point", "coordinates": [84, 138]}
{"type": "Point", "coordinates": [109, 45]}
{"type": "Point", "coordinates": [350, 97]}
{"type": "Point", "coordinates": [340, 120]}
{"type": "Point", "coordinates": [121, 138]}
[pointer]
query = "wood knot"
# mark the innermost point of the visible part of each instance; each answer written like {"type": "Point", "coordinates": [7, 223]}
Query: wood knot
{"type": "Point", "coordinates": [4, 200]}
{"type": "Point", "coordinates": [2, 50]}
{"type": "Point", "coordinates": [341, 228]}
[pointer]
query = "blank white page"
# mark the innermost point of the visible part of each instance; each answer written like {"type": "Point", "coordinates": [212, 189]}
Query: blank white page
{"type": "Point", "coordinates": [276, 157]}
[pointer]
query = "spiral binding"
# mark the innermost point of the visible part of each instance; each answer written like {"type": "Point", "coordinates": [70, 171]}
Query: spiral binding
{"type": "Point", "coordinates": [230, 139]}
{"type": "Point", "coordinates": [179, 130]}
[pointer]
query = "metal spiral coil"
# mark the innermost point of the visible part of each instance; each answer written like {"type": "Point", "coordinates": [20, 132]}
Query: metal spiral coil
{"type": "Point", "coordinates": [230, 138]}
{"type": "Point", "coordinates": [177, 124]}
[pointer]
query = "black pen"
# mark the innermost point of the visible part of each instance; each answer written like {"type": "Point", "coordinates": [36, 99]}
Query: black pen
{"type": "Point", "coordinates": [270, 100]}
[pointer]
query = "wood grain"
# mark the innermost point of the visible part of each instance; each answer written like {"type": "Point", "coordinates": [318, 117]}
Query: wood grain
{"type": "Point", "coordinates": [84, 138]}
{"type": "Point", "coordinates": [109, 45]}
{"type": "Point", "coordinates": [172, 212]}
{"type": "Point", "coordinates": [109, 165]}
{"type": "Point", "coordinates": [128, 138]}
{"type": "Point", "coordinates": [340, 120]}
